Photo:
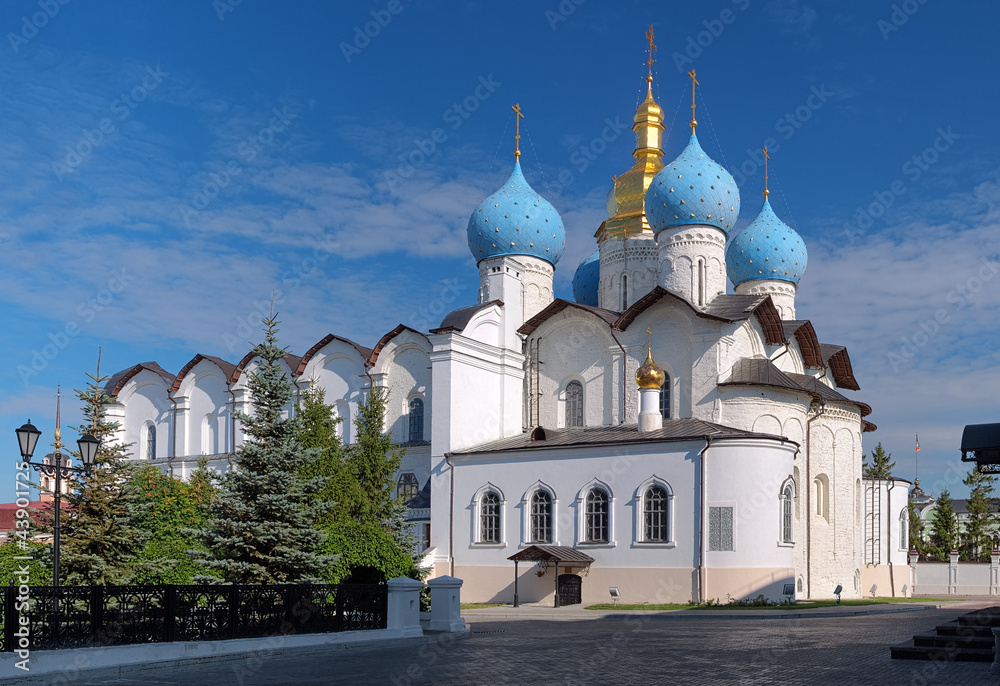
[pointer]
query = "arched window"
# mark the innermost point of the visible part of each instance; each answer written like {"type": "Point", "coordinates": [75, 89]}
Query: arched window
{"type": "Point", "coordinates": [701, 282]}
{"type": "Point", "coordinates": [596, 529]}
{"type": "Point", "coordinates": [786, 514]}
{"type": "Point", "coordinates": [489, 518]}
{"type": "Point", "coordinates": [821, 484]}
{"type": "Point", "coordinates": [574, 404]}
{"type": "Point", "coordinates": [407, 487]}
{"type": "Point", "coordinates": [150, 441]}
{"type": "Point", "coordinates": [654, 515]}
{"type": "Point", "coordinates": [665, 397]}
{"type": "Point", "coordinates": [903, 535]}
{"type": "Point", "coordinates": [416, 419]}
{"type": "Point", "coordinates": [624, 292]}
{"type": "Point", "coordinates": [210, 435]}
{"type": "Point", "coordinates": [541, 517]}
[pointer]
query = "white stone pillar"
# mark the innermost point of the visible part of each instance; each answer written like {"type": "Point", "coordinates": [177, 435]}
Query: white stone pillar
{"type": "Point", "coordinates": [650, 418]}
{"type": "Point", "coordinates": [953, 573]}
{"type": "Point", "coordinates": [995, 572]}
{"type": "Point", "coordinates": [446, 604]}
{"type": "Point", "coordinates": [914, 559]}
{"type": "Point", "coordinates": [404, 606]}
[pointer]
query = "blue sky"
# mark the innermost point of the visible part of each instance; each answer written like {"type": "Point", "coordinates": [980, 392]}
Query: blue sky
{"type": "Point", "coordinates": [165, 165]}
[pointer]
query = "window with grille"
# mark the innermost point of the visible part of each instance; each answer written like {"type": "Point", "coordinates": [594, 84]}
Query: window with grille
{"type": "Point", "coordinates": [150, 442]}
{"type": "Point", "coordinates": [416, 420]}
{"type": "Point", "coordinates": [597, 517]}
{"type": "Point", "coordinates": [574, 404]}
{"type": "Point", "coordinates": [407, 487]}
{"type": "Point", "coordinates": [541, 517]}
{"type": "Point", "coordinates": [720, 528]}
{"type": "Point", "coordinates": [654, 513]}
{"type": "Point", "coordinates": [786, 515]}
{"type": "Point", "coordinates": [489, 518]}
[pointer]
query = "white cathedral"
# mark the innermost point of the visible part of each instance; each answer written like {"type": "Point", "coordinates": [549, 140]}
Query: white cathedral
{"type": "Point", "coordinates": [658, 435]}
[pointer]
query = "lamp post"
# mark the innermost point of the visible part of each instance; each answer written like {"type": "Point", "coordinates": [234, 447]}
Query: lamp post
{"type": "Point", "coordinates": [27, 438]}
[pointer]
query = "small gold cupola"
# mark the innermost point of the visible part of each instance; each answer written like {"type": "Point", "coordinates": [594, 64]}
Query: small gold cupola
{"type": "Point", "coordinates": [650, 375]}
{"type": "Point", "coordinates": [627, 215]}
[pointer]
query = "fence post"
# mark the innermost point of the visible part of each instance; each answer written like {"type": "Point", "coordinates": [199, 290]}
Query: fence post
{"type": "Point", "coordinates": [995, 572]}
{"type": "Point", "coordinates": [914, 559]}
{"type": "Point", "coordinates": [96, 614]}
{"type": "Point", "coordinates": [446, 604]}
{"type": "Point", "coordinates": [953, 573]}
{"type": "Point", "coordinates": [234, 609]}
{"type": "Point", "coordinates": [170, 613]}
{"type": "Point", "coordinates": [404, 606]}
{"type": "Point", "coordinates": [10, 617]}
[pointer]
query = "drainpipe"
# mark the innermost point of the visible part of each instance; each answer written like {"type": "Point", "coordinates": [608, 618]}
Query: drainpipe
{"type": "Point", "coordinates": [702, 565]}
{"type": "Point", "coordinates": [809, 514]}
{"type": "Point", "coordinates": [780, 354]}
{"type": "Point", "coordinates": [232, 421]}
{"type": "Point", "coordinates": [621, 417]}
{"type": "Point", "coordinates": [451, 516]}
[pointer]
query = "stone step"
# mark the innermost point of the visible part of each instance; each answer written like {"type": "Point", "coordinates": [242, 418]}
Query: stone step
{"type": "Point", "coordinates": [954, 642]}
{"type": "Point", "coordinates": [909, 651]}
{"type": "Point", "coordinates": [956, 629]}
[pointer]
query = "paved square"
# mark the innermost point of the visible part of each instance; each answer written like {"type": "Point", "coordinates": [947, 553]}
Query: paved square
{"type": "Point", "coordinates": [636, 649]}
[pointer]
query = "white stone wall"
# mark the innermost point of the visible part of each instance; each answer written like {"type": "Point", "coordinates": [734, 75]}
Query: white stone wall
{"type": "Point", "coordinates": [782, 294]}
{"type": "Point", "coordinates": [636, 259]}
{"type": "Point", "coordinates": [693, 262]}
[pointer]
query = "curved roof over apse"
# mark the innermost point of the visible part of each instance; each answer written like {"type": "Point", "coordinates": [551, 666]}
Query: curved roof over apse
{"type": "Point", "coordinates": [291, 360]}
{"type": "Point", "coordinates": [364, 352]}
{"type": "Point", "coordinates": [117, 382]}
{"type": "Point", "coordinates": [728, 308]}
{"type": "Point", "coordinates": [557, 306]}
{"type": "Point", "coordinates": [457, 320]}
{"type": "Point", "coordinates": [384, 341]}
{"type": "Point", "coordinates": [805, 336]}
{"type": "Point", "coordinates": [839, 362]}
{"type": "Point", "coordinates": [227, 369]}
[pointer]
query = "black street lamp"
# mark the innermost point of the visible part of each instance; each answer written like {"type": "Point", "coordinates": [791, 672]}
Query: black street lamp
{"type": "Point", "coordinates": [27, 438]}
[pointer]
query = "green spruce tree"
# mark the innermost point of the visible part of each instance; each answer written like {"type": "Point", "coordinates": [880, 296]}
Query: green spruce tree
{"type": "Point", "coordinates": [318, 432]}
{"type": "Point", "coordinates": [977, 541]}
{"type": "Point", "coordinates": [373, 460]}
{"type": "Point", "coordinates": [944, 531]}
{"type": "Point", "coordinates": [263, 519]}
{"type": "Point", "coordinates": [880, 467]}
{"type": "Point", "coordinates": [99, 542]}
{"type": "Point", "coordinates": [918, 535]}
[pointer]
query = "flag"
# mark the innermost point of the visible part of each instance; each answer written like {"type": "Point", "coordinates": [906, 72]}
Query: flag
{"type": "Point", "coordinates": [918, 442]}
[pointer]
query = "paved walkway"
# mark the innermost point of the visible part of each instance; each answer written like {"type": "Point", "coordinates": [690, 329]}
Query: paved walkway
{"type": "Point", "coordinates": [617, 649]}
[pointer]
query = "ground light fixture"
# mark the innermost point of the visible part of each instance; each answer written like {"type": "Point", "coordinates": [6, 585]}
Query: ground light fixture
{"type": "Point", "coordinates": [615, 595]}
{"type": "Point", "coordinates": [837, 591]}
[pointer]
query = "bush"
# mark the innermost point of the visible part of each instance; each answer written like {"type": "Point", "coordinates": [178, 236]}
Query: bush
{"type": "Point", "coordinates": [39, 571]}
{"type": "Point", "coordinates": [366, 554]}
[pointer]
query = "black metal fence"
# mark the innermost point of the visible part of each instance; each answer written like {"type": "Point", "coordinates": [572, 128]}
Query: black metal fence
{"type": "Point", "coordinates": [81, 616]}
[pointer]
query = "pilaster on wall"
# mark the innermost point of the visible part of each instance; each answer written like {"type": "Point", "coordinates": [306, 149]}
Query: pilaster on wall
{"type": "Point", "coordinates": [782, 294]}
{"type": "Point", "coordinates": [693, 262]}
{"type": "Point", "coordinates": [635, 259]}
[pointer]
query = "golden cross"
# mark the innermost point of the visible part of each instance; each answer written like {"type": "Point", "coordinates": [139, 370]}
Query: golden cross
{"type": "Point", "coordinates": [766, 158]}
{"type": "Point", "coordinates": [517, 130]}
{"type": "Point", "coordinates": [652, 49]}
{"type": "Point", "coordinates": [694, 82]}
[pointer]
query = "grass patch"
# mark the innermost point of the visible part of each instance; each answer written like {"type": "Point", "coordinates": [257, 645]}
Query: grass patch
{"type": "Point", "coordinates": [479, 606]}
{"type": "Point", "coordinates": [800, 605]}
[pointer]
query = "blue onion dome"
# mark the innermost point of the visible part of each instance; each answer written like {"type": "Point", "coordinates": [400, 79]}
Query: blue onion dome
{"type": "Point", "coordinates": [693, 189]}
{"type": "Point", "coordinates": [586, 280]}
{"type": "Point", "coordinates": [766, 249]}
{"type": "Point", "coordinates": [516, 221]}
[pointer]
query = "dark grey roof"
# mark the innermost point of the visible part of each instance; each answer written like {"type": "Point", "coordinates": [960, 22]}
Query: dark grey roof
{"type": "Point", "coordinates": [558, 305]}
{"type": "Point", "coordinates": [829, 350]}
{"type": "Point", "coordinates": [458, 319]}
{"type": "Point", "coordinates": [734, 307]}
{"type": "Point", "coordinates": [758, 371]}
{"type": "Point", "coordinates": [814, 385]}
{"type": "Point", "coordinates": [115, 383]}
{"type": "Point", "coordinates": [551, 553]}
{"type": "Point", "coordinates": [422, 499]}
{"type": "Point", "coordinates": [673, 430]}
{"type": "Point", "coordinates": [979, 436]}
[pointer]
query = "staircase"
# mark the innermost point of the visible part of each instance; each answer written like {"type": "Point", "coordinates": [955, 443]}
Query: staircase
{"type": "Point", "coordinates": [966, 639]}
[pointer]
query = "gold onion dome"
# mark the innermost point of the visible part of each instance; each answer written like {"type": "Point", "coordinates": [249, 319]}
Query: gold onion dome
{"type": "Point", "coordinates": [650, 375]}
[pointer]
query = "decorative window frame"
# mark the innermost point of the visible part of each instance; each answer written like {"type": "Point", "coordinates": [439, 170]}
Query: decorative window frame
{"type": "Point", "coordinates": [581, 515]}
{"type": "Point", "coordinates": [526, 514]}
{"type": "Point", "coordinates": [722, 503]}
{"type": "Point", "coordinates": [821, 484]}
{"type": "Point", "coordinates": [563, 403]}
{"type": "Point", "coordinates": [476, 530]}
{"type": "Point", "coordinates": [903, 542]}
{"type": "Point", "coordinates": [423, 416]}
{"type": "Point", "coordinates": [789, 482]}
{"type": "Point", "coordinates": [639, 515]}
{"type": "Point", "coordinates": [144, 440]}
